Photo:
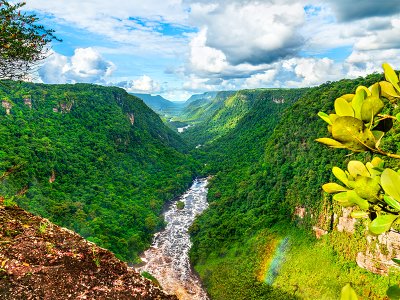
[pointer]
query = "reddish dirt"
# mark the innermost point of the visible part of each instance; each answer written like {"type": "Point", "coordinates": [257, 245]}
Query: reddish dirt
{"type": "Point", "coordinates": [39, 260]}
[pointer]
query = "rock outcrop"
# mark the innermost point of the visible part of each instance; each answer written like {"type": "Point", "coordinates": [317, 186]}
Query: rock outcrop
{"type": "Point", "coordinates": [39, 260]}
{"type": "Point", "coordinates": [380, 251]}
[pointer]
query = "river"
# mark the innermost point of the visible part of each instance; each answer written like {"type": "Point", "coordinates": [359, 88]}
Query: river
{"type": "Point", "coordinates": [168, 257]}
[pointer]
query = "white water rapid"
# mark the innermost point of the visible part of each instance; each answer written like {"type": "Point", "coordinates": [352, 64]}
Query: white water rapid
{"type": "Point", "coordinates": [167, 259]}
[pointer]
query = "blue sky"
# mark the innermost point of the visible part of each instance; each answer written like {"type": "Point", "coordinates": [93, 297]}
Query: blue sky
{"type": "Point", "coordinates": [180, 47]}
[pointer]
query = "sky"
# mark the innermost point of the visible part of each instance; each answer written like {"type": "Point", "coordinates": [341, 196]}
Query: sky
{"type": "Point", "coordinates": [176, 48]}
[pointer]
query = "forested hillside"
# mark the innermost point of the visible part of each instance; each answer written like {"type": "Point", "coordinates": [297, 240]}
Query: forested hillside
{"type": "Point", "coordinates": [229, 111]}
{"type": "Point", "coordinates": [265, 166]}
{"type": "Point", "coordinates": [94, 159]}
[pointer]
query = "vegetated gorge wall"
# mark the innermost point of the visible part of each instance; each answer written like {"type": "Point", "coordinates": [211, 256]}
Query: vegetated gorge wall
{"type": "Point", "coordinates": [378, 251]}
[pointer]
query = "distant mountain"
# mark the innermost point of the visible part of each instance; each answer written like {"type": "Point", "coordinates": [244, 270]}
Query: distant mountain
{"type": "Point", "coordinates": [159, 104]}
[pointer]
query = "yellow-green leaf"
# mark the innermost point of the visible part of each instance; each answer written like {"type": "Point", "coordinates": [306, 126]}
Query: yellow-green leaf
{"type": "Point", "coordinates": [330, 142]}
{"type": "Point", "coordinates": [375, 90]}
{"type": "Point", "coordinates": [370, 108]}
{"type": "Point", "coordinates": [325, 117]}
{"type": "Point", "coordinates": [372, 170]}
{"type": "Point", "coordinates": [343, 108]}
{"type": "Point", "coordinates": [391, 76]}
{"type": "Point", "coordinates": [340, 174]}
{"type": "Point", "coordinates": [356, 199]}
{"type": "Point", "coordinates": [390, 182]}
{"type": "Point", "coordinates": [387, 90]}
{"type": "Point", "coordinates": [364, 89]}
{"type": "Point", "coordinates": [353, 134]}
{"type": "Point", "coordinates": [356, 168]}
{"type": "Point", "coordinates": [342, 199]}
{"type": "Point", "coordinates": [359, 214]}
{"type": "Point", "coordinates": [392, 202]}
{"type": "Point", "coordinates": [348, 293]}
{"type": "Point", "coordinates": [332, 187]}
{"type": "Point", "coordinates": [347, 97]}
{"type": "Point", "coordinates": [333, 117]}
{"type": "Point", "coordinates": [377, 161]}
{"type": "Point", "coordinates": [382, 223]}
{"type": "Point", "coordinates": [357, 102]}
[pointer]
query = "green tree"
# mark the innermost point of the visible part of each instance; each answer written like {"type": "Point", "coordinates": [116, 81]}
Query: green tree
{"type": "Point", "coordinates": [23, 42]}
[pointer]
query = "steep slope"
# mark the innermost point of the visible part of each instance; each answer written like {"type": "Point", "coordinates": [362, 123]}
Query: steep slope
{"type": "Point", "coordinates": [43, 261]}
{"type": "Point", "coordinates": [161, 105]}
{"type": "Point", "coordinates": [258, 184]}
{"type": "Point", "coordinates": [201, 107]}
{"type": "Point", "coordinates": [230, 111]}
{"type": "Point", "coordinates": [94, 159]}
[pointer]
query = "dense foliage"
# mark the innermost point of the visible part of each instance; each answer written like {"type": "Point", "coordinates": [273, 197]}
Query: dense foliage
{"type": "Point", "coordinates": [91, 158]}
{"type": "Point", "coordinates": [23, 42]}
{"type": "Point", "coordinates": [358, 125]}
{"type": "Point", "coordinates": [266, 170]}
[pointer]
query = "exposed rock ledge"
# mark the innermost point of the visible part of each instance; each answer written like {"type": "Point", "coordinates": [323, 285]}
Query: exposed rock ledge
{"type": "Point", "coordinates": [39, 260]}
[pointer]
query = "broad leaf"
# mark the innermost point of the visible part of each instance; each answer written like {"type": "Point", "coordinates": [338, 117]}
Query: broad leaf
{"type": "Point", "coordinates": [392, 202]}
{"type": "Point", "coordinates": [340, 174]}
{"type": "Point", "coordinates": [363, 89]}
{"type": "Point", "coordinates": [343, 108]}
{"type": "Point", "coordinates": [370, 108]}
{"type": "Point", "coordinates": [372, 170]}
{"type": "Point", "coordinates": [353, 134]}
{"type": "Point", "coordinates": [348, 293]}
{"type": "Point", "coordinates": [357, 102]}
{"type": "Point", "coordinates": [398, 117]}
{"type": "Point", "coordinates": [390, 182]}
{"type": "Point", "coordinates": [367, 188]}
{"type": "Point", "coordinates": [332, 187]}
{"type": "Point", "coordinates": [342, 199]}
{"type": "Point", "coordinates": [348, 97]}
{"type": "Point", "coordinates": [391, 76]}
{"type": "Point", "coordinates": [387, 90]}
{"type": "Point", "coordinates": [382, 224]}
{"type": "Point", "coordinates": [359, 214]}
{"type": "Point", "coordinates": [330, 142]}
{"type": "Point", "coordinates": [356, 168]}
{"type": "Point", "coordinates": [393, 292]}
{"type": "Point", "coordinates": [325, 117]}
{"type": "Point", "coordinates": [377, 162]}
{"type": "Point", "coordinates": [356, 199]}
{"type": "Point", "coordinates": [375, 89]}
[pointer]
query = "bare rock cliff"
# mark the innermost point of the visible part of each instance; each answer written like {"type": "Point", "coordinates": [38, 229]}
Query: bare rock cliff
{"type": "Point", "coordinates": [39, 260]}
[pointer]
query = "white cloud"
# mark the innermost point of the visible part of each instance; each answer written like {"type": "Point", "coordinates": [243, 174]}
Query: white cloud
{"type": "Point", "coordinates": [204, 58]}
{"type": "Point", "coordinates": [254, 32]}
{"type": "Point", "coordinates": [143, 84]}
{"type": "Point", "coordinates": [222, 44]}
{"type": "Point", "coordinates": [312, 71]}
{"type": "Point", "coordinates": [135, 24]}
{"type": "Point", "coordinates": [262, 79]}
{"type": "Point", "coordinates": [86, 65]}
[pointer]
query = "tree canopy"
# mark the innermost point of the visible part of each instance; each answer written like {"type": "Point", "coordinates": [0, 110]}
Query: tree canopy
{"type": "Point", "coordinates": [23, 42]}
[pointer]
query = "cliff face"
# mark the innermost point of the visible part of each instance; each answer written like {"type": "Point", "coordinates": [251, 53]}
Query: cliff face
{"type": "Point", "coordinates": [39, 260]}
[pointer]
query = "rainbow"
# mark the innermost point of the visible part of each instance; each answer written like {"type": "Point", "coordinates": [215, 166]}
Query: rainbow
{"type": "Point", "coordinates": [273, 264]}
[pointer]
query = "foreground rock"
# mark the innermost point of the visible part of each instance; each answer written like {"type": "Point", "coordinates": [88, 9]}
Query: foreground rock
{"type": "Point", "coordinates": [39, 260]}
